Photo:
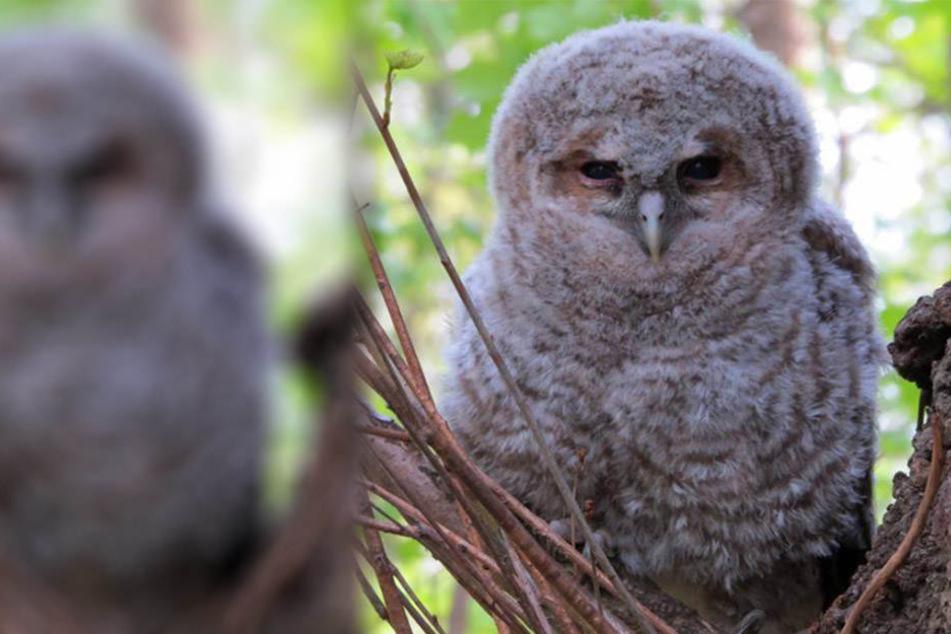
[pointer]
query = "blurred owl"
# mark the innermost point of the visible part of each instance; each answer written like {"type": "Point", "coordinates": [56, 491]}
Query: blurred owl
{"type": "Point", "coordinates": [133, 347]}
{"type": "Point", "coordinates": [691, 326]}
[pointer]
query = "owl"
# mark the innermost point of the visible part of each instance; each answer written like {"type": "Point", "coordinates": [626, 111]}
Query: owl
{"type": "Point", "coordinates": [690, 324]}
{"type": "Point", "coordinates": [133, 345]}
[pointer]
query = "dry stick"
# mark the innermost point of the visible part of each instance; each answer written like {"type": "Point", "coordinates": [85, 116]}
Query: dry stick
{"type": "Point", "coordinates": [917, 525]}
{"type": "Point", "coordinates": [579, 602]}
{"type": "Point", "coordinates": [408, 598]}
{"type": "Point", "coordinates": [467, 547]}
{"type": "Point", "coordinates": [389, 355]}
{"type": "Point", "coordinates": [389, 298]}
{"type": "Point", "coordinates": [411, 601]}
{"type": "Point", "coordinates": [408, 590]}
{"type": "Point", "coordinates": [376, 335]}
{"type": "Point", "coordinates": [383, 569]}
{"type": "Point", "coordinates": [525, 580]}
{"type": "Point", "coordinates": [449, 448]}
{"type": "Point", "coordinates": [546, 454]}
{"type": "Point", "coordinates": [564, 621]}
{"type": "Point", "coordinates": [480, 485]}
{"type": "Point", "coordinates": [564, 548]}
{"type": "Point", "coordinates": [495, 603]}
{"type": "Point", "coordinates": [413, 514]}
{"type": "Point", "coordinates": [424, 624]}
{"type": "Point", "coordinates": [386, 354]}
{"type": "Point", "coordinates": [369, 593]}
{"type": "Point", "coordinates": [421, 536]}
{"type": "Point", "coordinates": [424, 535]}
{"type": "Point", "coordinates": [382, 432]}
{"type": "Point", "coordinates": [537, 524]}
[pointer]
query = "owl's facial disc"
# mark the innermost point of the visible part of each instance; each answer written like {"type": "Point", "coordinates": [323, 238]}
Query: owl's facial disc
{"type": "Point", "coordinates": [52, 201]}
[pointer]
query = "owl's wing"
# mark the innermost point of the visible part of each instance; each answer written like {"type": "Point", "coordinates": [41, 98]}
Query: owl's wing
{"type": "Point", "coordinates": [836, 570]}
{"type": "Point", "coordinates": [827, 232]}
{"type": "Point", "coordinates": [227, 247]}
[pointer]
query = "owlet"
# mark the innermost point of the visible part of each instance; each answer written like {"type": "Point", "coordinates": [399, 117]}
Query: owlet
{"type": "Point", "coordinates": [690, 324]}
{"type": "Point", "coordinates": [133, 348]}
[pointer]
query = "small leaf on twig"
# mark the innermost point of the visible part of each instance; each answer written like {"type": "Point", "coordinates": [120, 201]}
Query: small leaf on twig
{"type": "Point", "coordinates": [398, 60]}
{"type": "Point", "coordinates": [404, 60]}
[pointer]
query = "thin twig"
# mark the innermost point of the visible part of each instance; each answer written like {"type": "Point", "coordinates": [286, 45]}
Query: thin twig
{"type": "Point", "coordinates": [385, 353]}
{"type": "Point", "coordinates": [383, 569]}
{"type": "Point", "coordinates": [526, 582]}
{"type": "Point", "coordinates": [457, 558]}
{"type": "Point", "coordinates": [369, 593]}
{"type": "Point", "coordinates": [410, 602]}
{"type": "Point", "coordinates": [917, 525]}
{"type": "Point", "coordinates": [408, 591]}
{"type": "Point", "coordinates": [558, 610]}
{"type": "Point", "coordinates": [388, 357]}
{"type": "Point", "coordinates": [507, 377]}
{"type": "Point", "coordinates": [389, 298]}
{"type": "Point", "coordinates": [383, 432]}
{"type": "Point", "coordinates": [480, 485]}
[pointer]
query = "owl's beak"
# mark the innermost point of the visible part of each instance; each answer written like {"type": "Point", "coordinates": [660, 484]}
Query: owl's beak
{"type": "Point", "coordinates": [651, 210]}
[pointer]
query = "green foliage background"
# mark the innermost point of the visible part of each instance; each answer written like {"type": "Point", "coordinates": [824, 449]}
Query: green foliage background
{"type": "Point", "coordinates": [442, 113]}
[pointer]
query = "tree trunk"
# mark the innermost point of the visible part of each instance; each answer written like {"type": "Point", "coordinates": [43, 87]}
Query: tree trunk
{"type": "Point", "coordinates": [916, 599]}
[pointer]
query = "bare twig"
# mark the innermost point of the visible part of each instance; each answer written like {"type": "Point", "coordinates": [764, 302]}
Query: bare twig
{"type": "Point", "coordinates": [389, 434]}
{"type": "Point", "coordinates": [389, 298]}
{"type": "Point", "coordinates": [479, 484]}
{"type": "Point", "coordinates": [528, 587]}
{"type": "Point", "coordinates": [383, 569]}
{"type": "Point", "coordinates": [369, 593]}
{"type": "Point", "coordinates": [917, 525]}
{"type": "Point", "coordinates": [387, 356]}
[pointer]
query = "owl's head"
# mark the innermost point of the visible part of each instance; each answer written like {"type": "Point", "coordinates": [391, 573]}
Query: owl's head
{"type": "Point", "coordinates": [651, 147]}
{"type": "Point", "coordinates": [100, 151]}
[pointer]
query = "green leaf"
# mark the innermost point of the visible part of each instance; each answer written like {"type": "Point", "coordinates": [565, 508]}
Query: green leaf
{"type": "Point", "coordinates": [404, 60]}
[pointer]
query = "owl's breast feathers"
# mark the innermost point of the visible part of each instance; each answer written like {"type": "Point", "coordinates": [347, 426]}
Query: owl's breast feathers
{"type": "Point", "coordinates": [732, 431]}
{"type": "Point", "coordinates": [114, 406]}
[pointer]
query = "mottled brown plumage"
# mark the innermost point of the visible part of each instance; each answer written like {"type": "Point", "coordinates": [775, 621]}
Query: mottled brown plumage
{"type": "Point", "coordinates": [681, 309]}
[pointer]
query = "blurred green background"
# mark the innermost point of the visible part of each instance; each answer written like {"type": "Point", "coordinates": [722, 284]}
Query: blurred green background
{"type": "Point", "coordinates": [271, 76]}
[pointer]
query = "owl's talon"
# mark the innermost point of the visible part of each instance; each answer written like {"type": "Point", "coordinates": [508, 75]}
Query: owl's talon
{"type": "Point", "coordinates": [751, 623]}
{"type": "Point", "coordinates": [562, 528]}
{"type": "Point", "coordinates": [604, 541]}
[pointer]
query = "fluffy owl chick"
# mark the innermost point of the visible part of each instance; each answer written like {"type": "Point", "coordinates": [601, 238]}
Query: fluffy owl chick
{"type": "Point", "coordinates": [132, 339]}
{"type": "Point", "coordinates": [691, 326]}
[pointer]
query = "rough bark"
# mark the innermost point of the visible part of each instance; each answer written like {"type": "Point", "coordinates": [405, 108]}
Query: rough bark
{"type": "Point", "coordinates": [917, 598]}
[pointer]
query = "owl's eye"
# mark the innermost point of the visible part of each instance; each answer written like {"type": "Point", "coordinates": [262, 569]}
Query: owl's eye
{"type": "Point", "coordinates": [699, 168]}
{"type": "Point", "coordinates": [600, 170]}
{"type": "Point", "coordinates": [110, 164]}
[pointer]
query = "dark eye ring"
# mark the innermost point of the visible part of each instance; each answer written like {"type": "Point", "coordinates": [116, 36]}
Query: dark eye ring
{"type": "Point", "coordinates": [109, 163]}
{"type": "Point", "coordinates": [700, 168]}
{"type": "Point", "coordinates": [600, 170]}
